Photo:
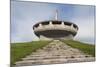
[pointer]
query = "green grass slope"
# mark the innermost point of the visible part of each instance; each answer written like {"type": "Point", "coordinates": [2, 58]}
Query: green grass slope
{"type": "Point", "coordinates": [20, 50]}
{"type": "Point", "coordinates": [86, 48]}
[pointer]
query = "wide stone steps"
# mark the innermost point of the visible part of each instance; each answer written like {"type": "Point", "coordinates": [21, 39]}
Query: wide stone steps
{"type": "Point", "coordinates": [53, 57]}
{"type": "Point", "coordinates": [53, 61]}
{"type": "Point", "coordinates": [55, 52]}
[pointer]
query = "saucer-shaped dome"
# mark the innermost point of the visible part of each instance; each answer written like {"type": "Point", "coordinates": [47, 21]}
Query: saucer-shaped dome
{"type": "Point", "coordinates": [55, 29]}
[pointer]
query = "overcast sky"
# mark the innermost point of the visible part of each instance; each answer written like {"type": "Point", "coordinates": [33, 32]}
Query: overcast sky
{"type": "Point", "coordinates": [25, 14]}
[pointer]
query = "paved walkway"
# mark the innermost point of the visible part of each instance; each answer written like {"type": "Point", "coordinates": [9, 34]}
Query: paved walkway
{"type": "Point", "coordinates": [55, 52]}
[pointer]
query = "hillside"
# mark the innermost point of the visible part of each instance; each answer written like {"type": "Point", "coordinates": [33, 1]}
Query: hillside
{"type": "Point", "coordinates": [86, 48]}
{"type": "Point", "coordinates": [20, 50]}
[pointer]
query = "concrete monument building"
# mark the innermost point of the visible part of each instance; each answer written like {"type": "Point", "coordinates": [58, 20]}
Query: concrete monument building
{"type": "Point", "coordinates": [55, 29]}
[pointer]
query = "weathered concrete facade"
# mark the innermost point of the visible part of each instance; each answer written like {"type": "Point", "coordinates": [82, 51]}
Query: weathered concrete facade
{"type": "Point", "coordinates": [54, 29]}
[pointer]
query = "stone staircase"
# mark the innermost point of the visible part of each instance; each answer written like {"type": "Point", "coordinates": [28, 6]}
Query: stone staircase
{"type": "Point", "coordinates": [55, 52]}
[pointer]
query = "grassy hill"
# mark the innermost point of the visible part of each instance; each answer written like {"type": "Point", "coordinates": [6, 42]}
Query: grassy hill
{"type": "Point", "coordinates": [20, 50]}
{"type": "Point", "coordinates": [84, 47]}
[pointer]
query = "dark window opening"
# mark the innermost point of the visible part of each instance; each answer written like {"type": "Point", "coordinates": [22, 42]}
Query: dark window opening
{"type": "Point", "coordinates": [36, 25]}
{"type": "Point", "coordinates": [75, 26]}
{"type": "Point", "coordinates": [56, 22]}
{"type": "Point", "coordinates": [66, 23]}
{"type": "Point", "coordinates": [45, 23]}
